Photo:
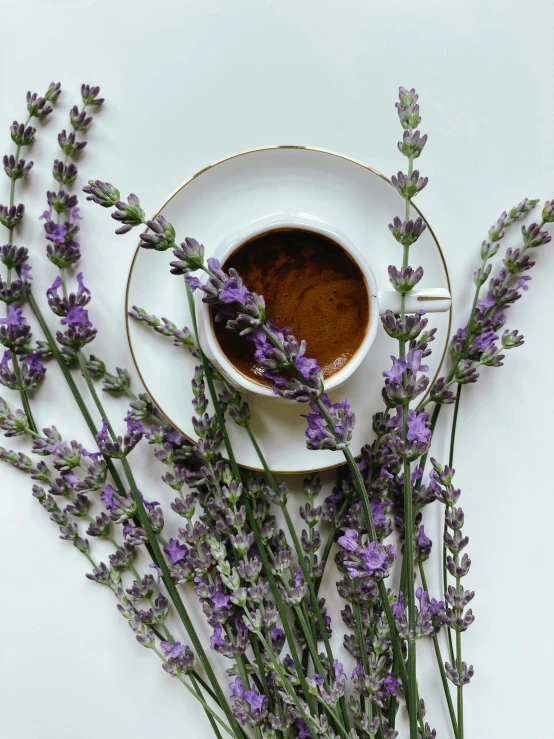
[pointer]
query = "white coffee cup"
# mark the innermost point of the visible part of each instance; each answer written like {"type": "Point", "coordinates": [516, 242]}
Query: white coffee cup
{"type": "Point", "coordinates": [431, 300]}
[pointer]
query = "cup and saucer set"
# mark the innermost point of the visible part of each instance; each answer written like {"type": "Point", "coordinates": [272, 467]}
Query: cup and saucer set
{"type": "Point", "coordinates": [236, 201]}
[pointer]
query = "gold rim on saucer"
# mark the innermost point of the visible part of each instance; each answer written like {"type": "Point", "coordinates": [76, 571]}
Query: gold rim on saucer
{"type": "Point", "coordinates": [235, 156]}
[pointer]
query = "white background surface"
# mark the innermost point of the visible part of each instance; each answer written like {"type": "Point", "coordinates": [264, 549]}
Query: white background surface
{"type": "Point", "coordinates": [186, 84]}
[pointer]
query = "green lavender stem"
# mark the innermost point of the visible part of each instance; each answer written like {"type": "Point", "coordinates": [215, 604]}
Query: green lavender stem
{"type": "Point", "coordinates": [200, 697]}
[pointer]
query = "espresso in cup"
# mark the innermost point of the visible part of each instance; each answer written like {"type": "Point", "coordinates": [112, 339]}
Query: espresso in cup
{"type": "Point", "coordinates": [310, 284]}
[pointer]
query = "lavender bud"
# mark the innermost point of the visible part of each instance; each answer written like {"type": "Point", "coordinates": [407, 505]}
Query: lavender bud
{"type": "Point", "coordinates": [511, 339]}
{"type": "Point", "coordinates": [440, 393]}
{"type": "Point", "coordinates": [20, 135]}
{"type": "Point", "coordinates": [407, 232]}
{"type": "Point", "coordinates": [412, 144]}
{"type": "Point", "coordinates": [117, 384]}
{"type": "Point", "coordinates": [533, 236]}
{"type": "Point", "coordinates": [69, 144]}
{"type": "Point", "coordinates": [405, 280]}
{"type": "Point", "coordinates": [100, 575]}
{"type": "Point", "coordinates": [481, 275]}
{"type": "Point", "coordinates": [548, 211]}
{"type": "Point", "coordinates": [88, 94]}
{"type": "Point", "coordinates": [37, 106]}
{"type": "Point", "coordinates": [241, 415]}
{"type": "Point", "coordinates": [162, 236]}
{"type": "Point", "coordinates": [102, 193]}
{"type": "Point", "coordinates": [409, 185]}
{"type": "Point", "coordinates": [520, 210]}
{"type": "Point", "coordinates": [183, 337]}
{"type": "Point", "coordinates": [15, 424]}
{"type": "Point", "coordinates": [64, 174]}
{"type": "Point", "coordinates": [454, 517]}
{"type": "Point", "coordinates": [496, 232]}
{"type": "Point", "coordinates": [53, 92]}
{"type": "Point", "coordinates": [80, 506]}
{"type": "Point", "coordinates": [455, 542]}
{"type": "Point", "coordinates": [488, 250]}
{"type": "Point", "coordinates": [491, 356]}
{"type": "Point", "coordinates": [16, 170]}
{"type": "Point", "coordinates": [466, 372]}
{"type": "Point", "coordinates": [190, 256]}
{"type": "Point", "coordinates": [96, 367]}
{"type": "Point", "coordinates": [79, 119]}
{"type": "Point", "coordinates": [407, 97]}
{"type": "Point", "coordinates": [61, 201]}
{"type": "Point", "coordinates": [130, 214]}
{"type": "Point", "coordinates": [408, 110]}
{"type": "Point", "coordinates": [13, 256]}
{"type": "Point", "coordinates": [18, 460]}
{"type": "Point", "coordinates": [11, 215]}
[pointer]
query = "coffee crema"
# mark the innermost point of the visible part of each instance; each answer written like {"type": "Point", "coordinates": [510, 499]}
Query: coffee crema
{"type": "Point", "coordinates": [310, 284]}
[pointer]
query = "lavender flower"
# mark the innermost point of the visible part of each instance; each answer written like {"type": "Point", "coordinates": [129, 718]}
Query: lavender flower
{"type": "Point", "coordinates": [118, 448]}
{"type": "Point", "coordinates": [373, 560]}
{"type": "Point", "coordinates": [11, 215]}
{"type": "Point", "coordinates": [332, 430]}
{"type": "Point", "coordinates": [15, 170]}
{"type": "Point", "coordinates": [408, 186]}
{"type": "Point", "coordinates": [130, 214]}
{"type": "Point", "coordinates": [176, 551]}
{"type": "Point", "coordinates": [249, 706]}
{"type": "Point", "coordinates": [89, 95]}
{"type": "Point", "coordinates": [102, 193]}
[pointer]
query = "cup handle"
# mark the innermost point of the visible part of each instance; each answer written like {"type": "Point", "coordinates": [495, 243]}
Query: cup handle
{"type": "Point", "coordinates": [431, 300]}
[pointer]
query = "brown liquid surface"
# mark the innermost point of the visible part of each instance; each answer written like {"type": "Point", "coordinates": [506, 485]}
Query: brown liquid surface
{"type": "Point", "coordinates": [309, 284]}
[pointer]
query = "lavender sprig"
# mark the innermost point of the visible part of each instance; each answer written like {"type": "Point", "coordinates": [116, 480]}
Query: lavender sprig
{"type": "Point", "coordinates": [413, 435]}
{"type": "Point", "coordinates": [458, 567]}
{"type": "Point", "coordinates": [13, 292]}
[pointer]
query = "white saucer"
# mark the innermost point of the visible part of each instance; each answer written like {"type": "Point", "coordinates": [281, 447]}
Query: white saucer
{"type": "Point", "coordinates": [234, 192]}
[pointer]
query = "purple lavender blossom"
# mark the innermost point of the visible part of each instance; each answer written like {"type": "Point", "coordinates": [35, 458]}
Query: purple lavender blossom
{"type": "Point", "coordinates": [397, 370]}
{"type": "Point", "coordinates": [371, 560]}
{"type": "Point", "coordinates": [52, 291]}
{"type": "Point", "coordinates": [76, 317]}
{"type": "Point", "coordinates": [417, 427]}
{"type": "Point", "coordinates": [399, 608]}
{"type": "Point", "coordinates": [252, 697]}
{"type": "Point", "coordinates": [320, 434]}
{"type": "Point", "coordinates": [233, 292]}
{"type": "Point", "coordinates": [301, 728]}
{"type": "Point", "coordinates": [172, 650]}
{"type": "Point", "coordinates": [176, 551]}
{"type": "Point", "coordinates": [15, 317]}
{"type": "Point", "coordinates": [221, 601]}
{"type": "Point", "coordinates": [484, 340]}
{"type": "Point", "coordinates": [413, 361]}
{"type": "Point", "coordinates": [349, 540]}
{"type": "Point", "coordinates": [427, 604]}
{"type": "Point", "coordinates": [216, 639]}
{"type": "Point", "coordinates": [107, 495]}
{"type": "Point", "coordinates": [372, 557]}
